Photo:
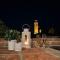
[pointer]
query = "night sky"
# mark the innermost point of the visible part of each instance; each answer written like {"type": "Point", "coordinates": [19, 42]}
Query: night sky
{"type": "Point", "coordinates": [15, 15]}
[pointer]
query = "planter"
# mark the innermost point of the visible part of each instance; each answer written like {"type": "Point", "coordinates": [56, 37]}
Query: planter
{"type": "Point", "coordinates": [18, 46]}
{"type": "Point", "coordinates": [11, 44]}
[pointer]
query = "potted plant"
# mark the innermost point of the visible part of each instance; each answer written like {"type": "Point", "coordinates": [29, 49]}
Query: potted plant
{"type": "Point", "coordinates": [10, 36]}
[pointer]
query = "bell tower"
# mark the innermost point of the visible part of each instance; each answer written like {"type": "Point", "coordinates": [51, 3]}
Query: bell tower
{"type": "Point", "coordinates": [35, 27]}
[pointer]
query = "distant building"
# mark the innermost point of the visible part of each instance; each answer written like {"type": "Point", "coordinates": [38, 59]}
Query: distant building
{"type": "Point", "coordinates": [35, 27]}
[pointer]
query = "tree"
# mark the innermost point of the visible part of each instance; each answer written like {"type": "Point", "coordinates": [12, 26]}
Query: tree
{"type": "Point", "coordinates": [2, 29]}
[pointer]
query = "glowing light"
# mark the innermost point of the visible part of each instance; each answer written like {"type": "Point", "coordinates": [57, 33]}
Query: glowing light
{"type": "Point", "coordinates": [26, 43]}
{"type": "Point", "coordinates": [35, 27]}
{"type": "Point", "coordinates": [40, 30]}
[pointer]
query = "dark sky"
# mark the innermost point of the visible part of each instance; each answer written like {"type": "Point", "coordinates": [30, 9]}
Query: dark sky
{"type": "Point", "coordinates": [18, 14]}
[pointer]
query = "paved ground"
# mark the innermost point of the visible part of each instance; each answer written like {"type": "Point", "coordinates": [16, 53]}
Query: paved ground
{"type": "Point", "coordinates": [8, 55]}
{"type": "Point", "coordinates": [53, 52]}
{"type": "Point", "coordinates": [38, 54]}
{"type": "Point", "coordinates": [28, 54]}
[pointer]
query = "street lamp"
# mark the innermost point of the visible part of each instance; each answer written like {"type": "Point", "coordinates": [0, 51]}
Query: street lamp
{"type": "Point", "coordinates": [40, 31]}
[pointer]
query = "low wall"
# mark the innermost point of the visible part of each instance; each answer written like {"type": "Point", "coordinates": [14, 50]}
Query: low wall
{"type": "Point", "coordinates": [36, 42]}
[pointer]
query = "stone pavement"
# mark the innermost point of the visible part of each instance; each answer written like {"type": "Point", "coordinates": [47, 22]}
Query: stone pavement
{"type": "Point", "coordinates": [38, 54]}
{"type": "Point", "coordinates": [8, 55]}
{"type": "Point", "coordinates": [27, 54]}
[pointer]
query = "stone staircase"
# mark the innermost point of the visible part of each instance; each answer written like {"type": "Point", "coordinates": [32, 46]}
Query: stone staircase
{"type": "Point", "coordinates": [5, 54]}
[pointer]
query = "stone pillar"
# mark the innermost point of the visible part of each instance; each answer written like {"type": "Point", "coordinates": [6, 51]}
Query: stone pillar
{"type": "Point", "coordinates": [26, 38]}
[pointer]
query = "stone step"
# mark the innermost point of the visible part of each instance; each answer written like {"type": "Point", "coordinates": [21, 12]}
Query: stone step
{"type": "Point", "coordinates": [52, 52]}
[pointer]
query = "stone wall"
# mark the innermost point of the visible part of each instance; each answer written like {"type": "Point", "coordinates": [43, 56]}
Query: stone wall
{"type": "Point", "coordinates": [38, 42]}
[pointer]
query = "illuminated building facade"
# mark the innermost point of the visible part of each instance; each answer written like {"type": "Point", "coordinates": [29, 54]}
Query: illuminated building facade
{"type": "Point", "coordinates": [35, 27]}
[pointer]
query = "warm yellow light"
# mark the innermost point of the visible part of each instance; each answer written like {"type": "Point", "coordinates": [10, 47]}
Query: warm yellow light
{"type": "Point", "coordinates": [35, 27]}
{"type": "Point", "coordinates": [40, 30]}
{"type": "Point", "coordinates": [26, 43]}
